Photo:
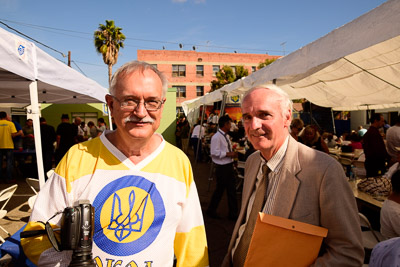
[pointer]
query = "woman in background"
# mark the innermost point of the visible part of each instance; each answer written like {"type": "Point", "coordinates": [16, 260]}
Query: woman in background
{"type": "Point", "coordinates": [311, 137]}
{"type": "Point", "coordinates": [295, 128]}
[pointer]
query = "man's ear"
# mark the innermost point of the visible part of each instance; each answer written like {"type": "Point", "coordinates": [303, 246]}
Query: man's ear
{"type": "Point", "coordinates": [164, 100]}
{"type": "Point", "coordinates": [110, 102]}
{"type": "Point", "coordinates": [288, 118]}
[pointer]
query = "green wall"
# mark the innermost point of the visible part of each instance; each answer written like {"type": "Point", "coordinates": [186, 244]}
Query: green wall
{"type": "Point", "coordinates": [53, 112]}
{"type": "Point", "coordinates": [168, 121]}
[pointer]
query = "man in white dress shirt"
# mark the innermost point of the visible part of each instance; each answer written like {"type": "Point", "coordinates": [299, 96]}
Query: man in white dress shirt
{"type": "Point", "coordinates": [222, 157]}
{"type": "Point", "coordinates": [198, 133]}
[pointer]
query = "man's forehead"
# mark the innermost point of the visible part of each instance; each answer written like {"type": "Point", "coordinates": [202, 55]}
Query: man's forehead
{"type": "Point", "coordinates": [266, 93]}
{"type": "Point", "coordinates": [140, 74]}
{"type": "Point", "coordinates": [256, 102]}
{"type": "Point", "coordinates": [138, 79]}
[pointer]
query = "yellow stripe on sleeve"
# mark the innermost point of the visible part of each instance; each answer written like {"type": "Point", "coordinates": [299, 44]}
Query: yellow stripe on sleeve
{"type": "Point", "coordinates": [191, 248]}
{"type": "Point", "coordinates": [34, 246]}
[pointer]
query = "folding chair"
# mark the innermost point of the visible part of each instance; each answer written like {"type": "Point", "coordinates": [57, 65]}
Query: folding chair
{"type": "Point", "coordinates": [35, 186]}
{"type": "Point", "coordinates": [370, 237]}
{"type": "Point", "coordinates": [346, 163]}
{"type": "Point", "coordinates": [5, 196]}
{"type": "Point", "coordinates": [334, 156]}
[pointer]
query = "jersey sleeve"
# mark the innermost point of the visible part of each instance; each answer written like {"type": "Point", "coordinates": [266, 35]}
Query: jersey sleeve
{"type": "Point", "coordinates": [190, 240]}
{"type": "Point", "coordinates": [51, 199]}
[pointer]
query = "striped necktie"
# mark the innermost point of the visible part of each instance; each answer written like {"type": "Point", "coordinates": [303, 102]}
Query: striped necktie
{"type": "Point", "coordinates": [261, 195]}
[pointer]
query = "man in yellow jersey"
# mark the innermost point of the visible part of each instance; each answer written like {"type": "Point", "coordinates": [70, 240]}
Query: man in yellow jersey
{"type": "Point", "coordinates": [146, 205]}
{"type": "Point", "coordinates": [7, 132]}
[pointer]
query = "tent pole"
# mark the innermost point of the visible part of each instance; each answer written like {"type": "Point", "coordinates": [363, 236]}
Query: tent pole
{"type": "Point", "coordinates": [110, 120]}
{"type": "Point", "coordinates": [200, 132]}
{"type": "Point", "coordinates": [333, 122]}
{"type": "Point", "coordinates": [221, 113]}
{"type": "Point", "coordinates": [36, 126]}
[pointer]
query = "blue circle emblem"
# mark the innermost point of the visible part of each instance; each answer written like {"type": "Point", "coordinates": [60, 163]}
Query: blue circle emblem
{"type": "Point", "coordinates": [129, 213]}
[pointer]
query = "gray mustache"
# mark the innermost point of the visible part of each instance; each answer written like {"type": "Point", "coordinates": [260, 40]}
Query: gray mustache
{"type": "Point", "coordinates": [257, 133]}
{"type": "Point", "coordinates": [135, 119]}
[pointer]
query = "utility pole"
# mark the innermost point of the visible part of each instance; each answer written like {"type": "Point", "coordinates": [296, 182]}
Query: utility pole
{"type": "Point", "coordinates": [69, 58]}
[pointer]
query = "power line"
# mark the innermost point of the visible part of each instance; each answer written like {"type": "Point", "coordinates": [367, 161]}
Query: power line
{"type": "Point", "coordinates": [92, 64]}
{"type": "Point", "coordinates": [139, 39]}
{"type": "Point", "coordinates": [40, 26]}
{"type": "Point", "coordinates": [32, 39]}
{"type": "Point", "coordinates": [78, 67]}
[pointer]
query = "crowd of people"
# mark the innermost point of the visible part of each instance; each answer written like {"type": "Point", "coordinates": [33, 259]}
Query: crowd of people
{"type": "Point", "coordinates": [55, 142]}
{"type": "Point", "coordinates": [198, 137]}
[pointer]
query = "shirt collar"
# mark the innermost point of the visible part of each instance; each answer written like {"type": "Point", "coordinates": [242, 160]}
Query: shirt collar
{"type": "Point", "coordinates": [275, 162]}
{"type": "Point", "coordinates": [222, 132]}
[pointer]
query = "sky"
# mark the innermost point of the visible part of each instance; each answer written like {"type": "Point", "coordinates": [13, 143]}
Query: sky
{"type": "Point", "coordinates": [261, 26]}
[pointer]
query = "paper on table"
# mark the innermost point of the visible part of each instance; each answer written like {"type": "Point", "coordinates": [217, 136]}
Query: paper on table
{"type": "Point", "coordinates": [278, 241]}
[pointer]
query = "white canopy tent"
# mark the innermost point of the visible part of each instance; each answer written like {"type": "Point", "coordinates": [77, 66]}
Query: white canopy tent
{"type": "Point", "coordinates": [29, 75]}
{"type": "Point", "coordinates": [354, 67]}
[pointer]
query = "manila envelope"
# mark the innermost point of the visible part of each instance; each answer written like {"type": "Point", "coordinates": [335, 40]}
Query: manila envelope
{"type": "Point", "coordinates": [278, 241]}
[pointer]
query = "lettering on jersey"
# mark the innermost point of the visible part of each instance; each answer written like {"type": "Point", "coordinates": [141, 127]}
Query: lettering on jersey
{"type": "Point", "coordinates": [129, 213]}
{"type": "Point", "coordinates": [118, 263]}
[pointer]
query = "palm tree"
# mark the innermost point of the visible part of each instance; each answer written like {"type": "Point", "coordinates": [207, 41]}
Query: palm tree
{"type": "Point", "coordinates": [108, 39]}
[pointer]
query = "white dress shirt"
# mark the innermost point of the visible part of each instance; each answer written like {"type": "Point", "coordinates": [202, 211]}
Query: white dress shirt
{"type": "Point", "coordinates": [274, 164]}
{"type": "Point", "coordinates": [393, 141]}
{"type": "Point", "coordinates": [220, 145]}
{"type": "Point", "coordinates": [196, 131]}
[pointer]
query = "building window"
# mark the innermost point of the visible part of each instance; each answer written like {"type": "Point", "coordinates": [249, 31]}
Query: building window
{"type": "Point", "coordinates": [179, 112]}
{"type": "Point", "coordinates": [253, 69]}
{"type": "Point", "coordinates": [178, 70]}
{"type": "Point", "coordinates": [199, 90]}
{"type": "Point", "coordinates": [200, 70]}
{"type": "Point", "coordinates": [180, 91]}
{"type": "Point", "coordinates": [154, 65]}
{"type": "Point", "coordinates": [215, 70]}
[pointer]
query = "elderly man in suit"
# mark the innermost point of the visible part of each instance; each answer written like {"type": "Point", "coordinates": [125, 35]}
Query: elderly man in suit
{"type": "Point", "coordinates": [287, 179]}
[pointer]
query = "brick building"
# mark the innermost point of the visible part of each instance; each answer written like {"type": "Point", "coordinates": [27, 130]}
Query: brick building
{"type": "Point", "coordinates": [191, 72]}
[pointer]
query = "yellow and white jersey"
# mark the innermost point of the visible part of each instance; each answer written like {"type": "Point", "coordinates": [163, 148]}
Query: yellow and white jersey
{"type": "Point", "coordinates": [144, 214]}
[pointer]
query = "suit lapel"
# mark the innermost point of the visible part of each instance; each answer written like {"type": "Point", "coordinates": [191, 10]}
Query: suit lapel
{"type": "Point", "coordinates": [252, 169]}
{"type": "Point", "coordinates": [288, 184]}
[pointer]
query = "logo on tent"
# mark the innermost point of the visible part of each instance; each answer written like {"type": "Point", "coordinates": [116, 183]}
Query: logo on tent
{"type": "Point", "coordinates": [21, 50]}
{"type": "Point", "coordinates": [235, 99]}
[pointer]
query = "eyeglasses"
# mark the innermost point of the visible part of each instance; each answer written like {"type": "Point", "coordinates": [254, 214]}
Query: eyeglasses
{"type": "Point", "coordinates": [129, 104]}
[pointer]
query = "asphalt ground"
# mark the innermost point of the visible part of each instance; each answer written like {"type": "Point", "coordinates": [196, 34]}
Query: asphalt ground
{"type": "Point", "coordinates": [218, 230]}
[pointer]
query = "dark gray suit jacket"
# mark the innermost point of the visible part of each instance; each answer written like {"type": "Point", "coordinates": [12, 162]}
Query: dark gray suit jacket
{"type": "Point", "coordinates": [313, 189]}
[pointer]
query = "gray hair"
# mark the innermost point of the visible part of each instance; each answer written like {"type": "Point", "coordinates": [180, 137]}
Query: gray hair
{"type": "Point", "coordinates": [285, 104]}
{"type": "Point", "coordinates": [141, 66]}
